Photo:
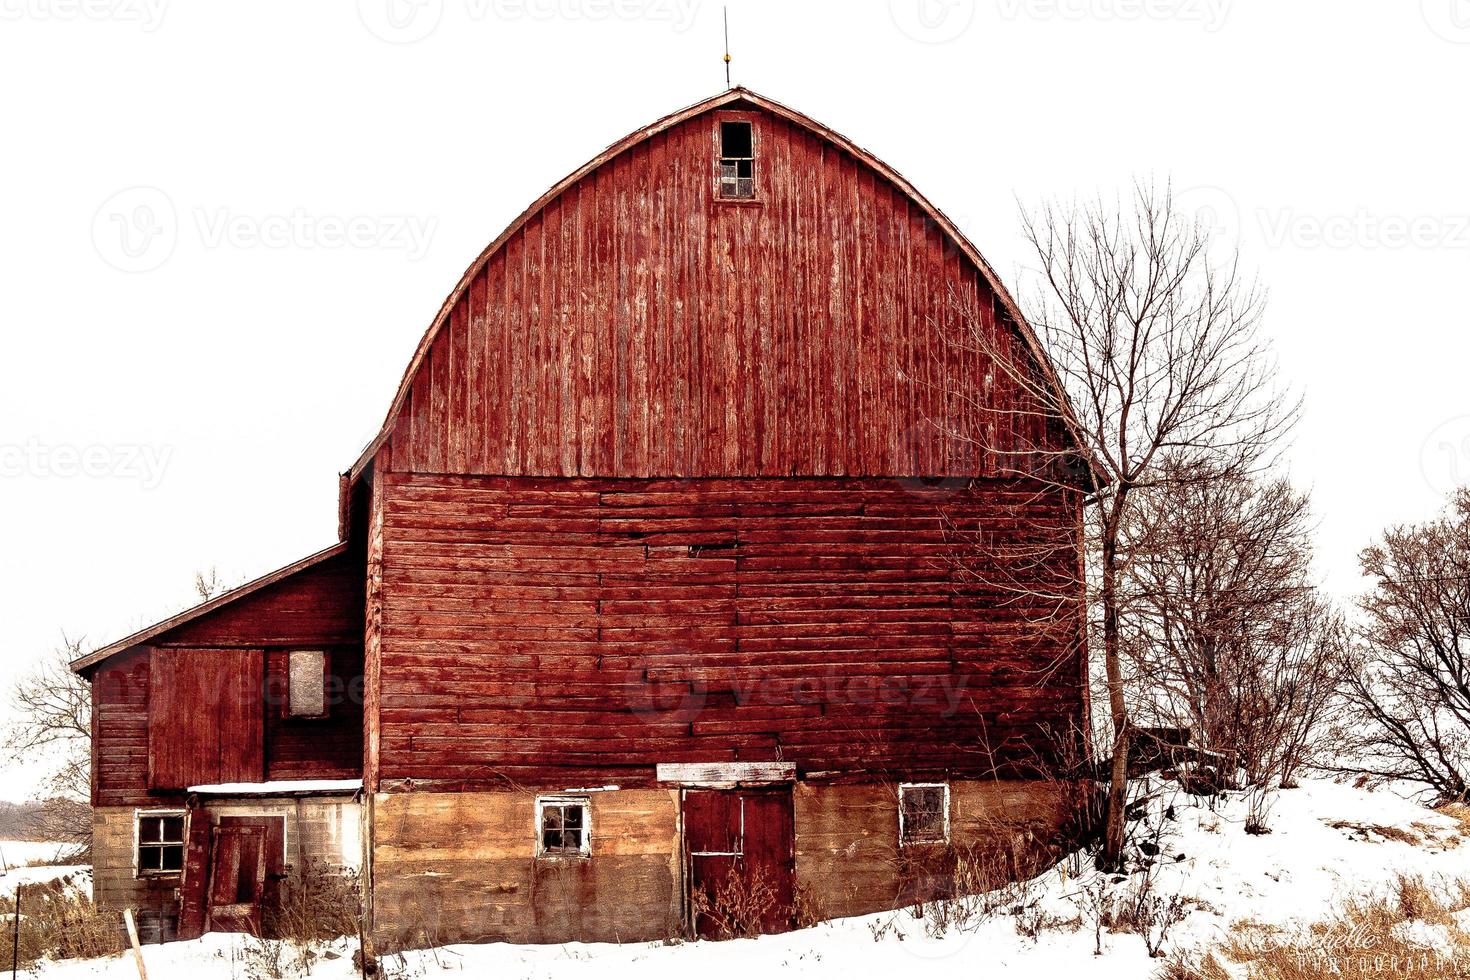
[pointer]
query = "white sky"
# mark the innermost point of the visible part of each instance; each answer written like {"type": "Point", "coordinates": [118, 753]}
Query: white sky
{"type": "Point", "coordinates": [214, 377]}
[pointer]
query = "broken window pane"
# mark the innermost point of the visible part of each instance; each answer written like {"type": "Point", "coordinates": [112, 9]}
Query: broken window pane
{"type": "Point", "coordinates": [565, 826]}
{"type": "Point", "coordinates": [924, 813]}
{"type": "Point", "coordinates": [737, 160]}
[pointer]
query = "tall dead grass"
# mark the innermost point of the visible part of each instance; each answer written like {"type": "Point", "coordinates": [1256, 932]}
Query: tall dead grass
{"type": "Point", "coordinates": [1412, 931]}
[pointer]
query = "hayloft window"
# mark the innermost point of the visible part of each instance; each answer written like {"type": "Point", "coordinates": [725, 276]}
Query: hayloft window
{"type": "Point", "coordinates": [564, 827]}
{"type": "Point", "coordinates": [306, 684]}
{"type": "Point", "coordinates": [923, 813]}
{"type": "Point", "coordinates": [737, 161]}
{"type": "Point", "coordinates": [160, 837]}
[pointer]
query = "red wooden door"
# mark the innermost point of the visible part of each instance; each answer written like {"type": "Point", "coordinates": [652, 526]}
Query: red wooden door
{"type": "Point", "coordinates": [237, 879]}
{"type": "Point", "coordinates": [739, 861]}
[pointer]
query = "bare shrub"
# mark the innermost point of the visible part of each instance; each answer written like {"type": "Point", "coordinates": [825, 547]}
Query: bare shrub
{"type": "Point", "coordinates": [315, 903]}
{"type": "Point", "coordinates": [737, 904]}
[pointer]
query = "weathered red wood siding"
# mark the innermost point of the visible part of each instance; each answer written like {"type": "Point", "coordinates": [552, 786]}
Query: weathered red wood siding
{"type": "Point", "coordinates": [321, 608]}
{"type": "Point", "coordinates": [552, 632]}
{"type": "Point", "coordinates": [637, 326]}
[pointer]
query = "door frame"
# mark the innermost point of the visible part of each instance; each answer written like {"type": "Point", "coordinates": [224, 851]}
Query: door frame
{"type": "Point", "coordinates": [782, 791]}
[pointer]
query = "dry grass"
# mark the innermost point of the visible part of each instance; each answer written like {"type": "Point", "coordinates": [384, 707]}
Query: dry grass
{"type": "Point", "coordinates": [1411, 931]}
{"type": "Point", "coordinates": [736, 906]}
{"type": "Point", "coordinates": [1368, 831]}
{"type": "Point", "coordinates": [314, 904]}
{"type": "Point", "coordinates": [58, 922]}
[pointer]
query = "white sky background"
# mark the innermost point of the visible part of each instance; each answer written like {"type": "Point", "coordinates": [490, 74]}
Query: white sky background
{"type": "Point", "coordinates": [214, 377]}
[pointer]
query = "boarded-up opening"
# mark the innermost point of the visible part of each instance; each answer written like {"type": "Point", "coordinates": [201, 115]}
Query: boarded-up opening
{"type": "Point", "coordinates": [206, 719]}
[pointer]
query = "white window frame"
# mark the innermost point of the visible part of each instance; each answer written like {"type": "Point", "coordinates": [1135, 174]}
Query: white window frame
{"type": "Point", "coordinates": [585, 802]}
{"type": "Point", "coordinates": [138, 817]}
{"type": "Point", "coordinates": [903, 840]}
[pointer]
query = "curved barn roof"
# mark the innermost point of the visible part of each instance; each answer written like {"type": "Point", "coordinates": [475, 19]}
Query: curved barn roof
{"type": "Point", "coordinates": [735, 97]}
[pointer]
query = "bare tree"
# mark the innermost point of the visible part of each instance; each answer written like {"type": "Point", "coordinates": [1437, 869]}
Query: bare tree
{"type": "Point", "coordinates": [207, 584]}
{"type": "Point", "coordinates": [1235, 640]}
{"type": "Point", "coordinates": [1153, 336]}
{"type": "Point", "coordinates": [1408, 676]}
{"type": "Point", "coordinates": [52, 717]}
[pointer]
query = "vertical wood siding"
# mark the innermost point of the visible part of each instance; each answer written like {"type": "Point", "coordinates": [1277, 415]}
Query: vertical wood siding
{"type": "Point", "coordinates": [636, 326]}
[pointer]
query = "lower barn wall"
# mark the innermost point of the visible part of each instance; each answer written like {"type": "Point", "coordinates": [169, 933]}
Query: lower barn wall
{"type": "Point", "coordinates": [115, 885]}
{"type": "Point", "coordinates": [454, 867]}
{"type": "Point", "coordinates": [457, 867]}
{"type": "Point", "coordinates": [317, 830]}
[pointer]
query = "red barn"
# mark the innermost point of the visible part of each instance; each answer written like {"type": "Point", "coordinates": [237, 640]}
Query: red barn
{"type": "Point", "coordinates": [658, 584]}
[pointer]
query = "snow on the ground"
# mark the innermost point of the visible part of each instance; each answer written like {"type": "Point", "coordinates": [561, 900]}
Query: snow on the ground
{"type": "Point", "coordinates": [18, 853]}
{"type": "Point", "coordinates": [77, 877]}
{"type": "Point", "coordinates": [1327, 843]}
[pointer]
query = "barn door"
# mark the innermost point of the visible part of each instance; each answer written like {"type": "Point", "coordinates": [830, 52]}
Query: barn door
{"type": "Point", "coordinates": [739, 861]}
{"type": "Point", "coordinates": [245, 861]}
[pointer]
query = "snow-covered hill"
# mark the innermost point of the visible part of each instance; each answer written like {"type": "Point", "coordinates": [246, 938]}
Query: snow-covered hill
{"type": "Point", "coordinates": [1327, 844]}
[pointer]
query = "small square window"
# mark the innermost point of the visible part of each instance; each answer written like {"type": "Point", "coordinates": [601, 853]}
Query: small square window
{"type": "Point", "coordinates": [160, 842]}
{"type": "Point", "coordinates": [737, 160]}
{"type": "Point", "coordinates": [306, 684]}
{"type": "Point", "coordinates": [923, 813]}
{"type": "Point", "coordinates": [564, 827]}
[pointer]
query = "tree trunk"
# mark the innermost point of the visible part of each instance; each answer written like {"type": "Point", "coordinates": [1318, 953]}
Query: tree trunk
{"type": "Point", "coordinates": [1113, 838]}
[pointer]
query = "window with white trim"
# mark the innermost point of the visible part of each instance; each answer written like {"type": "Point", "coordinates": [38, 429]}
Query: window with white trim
{"type": "Point", "coordinates": [563, 826]}
{"type": "Point", "coordinates": [737, 160]}
{"type": "Point", "coordinates": [160, 842]}
{"type": "Point", "coordinates": [306, 684]}
{"type": "Point", "coordinates": [923, 813]}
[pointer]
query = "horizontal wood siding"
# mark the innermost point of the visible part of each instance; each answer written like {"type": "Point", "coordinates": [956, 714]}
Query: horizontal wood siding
{"type": "Point", "coordinates": [553, 631]}
{"type": "Point", "coordinates": [637, 326]}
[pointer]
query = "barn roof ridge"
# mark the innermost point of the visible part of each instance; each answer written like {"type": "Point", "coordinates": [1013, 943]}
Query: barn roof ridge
{"type": "Point", "coordinates": [208, 606]}
{"type": "Point", "coordinates": [732, 95]}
